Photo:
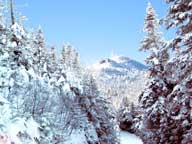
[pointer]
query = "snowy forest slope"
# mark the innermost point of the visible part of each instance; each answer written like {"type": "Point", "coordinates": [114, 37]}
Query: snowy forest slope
{"type": "Point", "coordinates": [46, 97]}
{"type": "Point", "coordinates": [120, 79]}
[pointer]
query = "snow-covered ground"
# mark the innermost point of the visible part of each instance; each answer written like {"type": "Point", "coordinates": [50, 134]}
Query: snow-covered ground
{"type": "Point", "coordinates": [127, 138]}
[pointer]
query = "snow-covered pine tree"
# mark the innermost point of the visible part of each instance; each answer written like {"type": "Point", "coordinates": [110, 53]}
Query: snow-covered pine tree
{"type": "Point", "coordinates": [172, 116]}
{"type": "Point", "coordinates": [70, 58]}
{"type": "Point", "coordinates": [19, 62]}
{"type": "Point", "coordinates": [154, 43]}
{"type": "Point", "coordinates": [153, 97]}
{"type": "Point", "coordinates": [69, 55]}
{"type": "Point", "coordinates": [76, 61]}
{"type": "Point", "coordinates": [66, 55]}
{"type": "Point", "coordinates": [179, 16]}
{"type": "Point", "coordinates": [16, 60]}
{"type": "Point", "coordinates": [98, 112]}
{"type": "Point", "coordinates": [179, 101]}
{"type": "Point", "coordinates": [53, 53]}
{"type": "Point", "coordinates": [63, 54]}
{"type": "Point", "coordinates": [52, 64]}
{"type": "Point", "coordinates": [4, 58]}
{"type": "Point", "coordinates": [125, 117]}
{"type": "Point", "coordinates": [40, 53]}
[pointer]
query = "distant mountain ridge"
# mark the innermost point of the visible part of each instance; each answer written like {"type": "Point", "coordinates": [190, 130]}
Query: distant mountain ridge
{"type": "Point", "coordinates": [120, 77]}
{"type": "Point", "coordinates": [117, 65]}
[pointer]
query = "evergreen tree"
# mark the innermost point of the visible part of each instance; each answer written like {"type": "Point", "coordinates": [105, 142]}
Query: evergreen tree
{"type": "Point", "coordinates": [154, 43]}
{"type": "Point", "coordinates": [98, 112]}
{"type": "Point", "coordinates": [63, 54]}
{"type": "Point", "coordinates": [53, 53]}
{"type": "Point", "coordinates": [179, 16]}
{"type": "Point", "coordinates": [69, 55]}
{"type": "Point", "coordinates": [40, 54]}
{"type": "Point", "coordinates": [179, 120]}
{"type": "Point", "coordinates": [166, 102]}
{"type": "Point", "coordinates": [70, 59]}
{"type": "Point", "coordinates": [52, 61]}
{"type": "Point", "coordinates": [153, 97]}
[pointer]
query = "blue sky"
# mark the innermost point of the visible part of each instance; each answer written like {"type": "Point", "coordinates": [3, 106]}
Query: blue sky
{"type": "Point", "coordinates": [95, 27]}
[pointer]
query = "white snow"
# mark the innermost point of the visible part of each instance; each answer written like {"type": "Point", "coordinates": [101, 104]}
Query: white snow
{"type": "Point", "coordinates": [21, 125]}
{"type": "Point", "coordinates": [66, 87]}
{"type": "Point", "coordinates": [76, 138]}
{"type": "Point", "coordinates": [32, 129]}
{"type": "Point", "coordinates": [24, 74]}
{"type": "Point", "coordinates": [155, 60]}
{"type": "Point", "coordinates": [14, 128]}
{"type": "Point", "coordinates": [119, 59]}
{"type": "Point", "coordinates": [3, 100]}
{"type": "Point", "coordinates": [31, 72]}
{"type": "Point", "coordinates": [18, 30]}
{"type": "Point", "coordinates": [127, 138]}
{"type": "Point", "coordinates": [61, 79]}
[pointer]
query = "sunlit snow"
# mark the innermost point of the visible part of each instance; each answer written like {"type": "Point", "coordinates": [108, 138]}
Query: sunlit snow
{"type": "Point", "coordinates": [127, 138]}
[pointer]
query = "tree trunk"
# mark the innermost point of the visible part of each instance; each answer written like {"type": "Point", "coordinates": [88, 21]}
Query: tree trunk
{"type": "Point", "coordinates": [12, 13]}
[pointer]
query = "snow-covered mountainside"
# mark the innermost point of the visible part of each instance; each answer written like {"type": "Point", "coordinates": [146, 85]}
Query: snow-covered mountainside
{"type": "Point", "coordinates": [117, 66]}
{"type": "Point", "coordinates": [120, 78]}
{"type": "Point", "coordinates": [44, 97]}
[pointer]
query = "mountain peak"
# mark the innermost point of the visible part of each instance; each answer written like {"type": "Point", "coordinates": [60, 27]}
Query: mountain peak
{"type": "Point", "coordinates": [119, 58]}
{"type": "Point", "coordinates": [116, 58]}
{"type": "Point", "coordinates": [122, 74]}
{"type": "Point", "coordinates": [117, 65]}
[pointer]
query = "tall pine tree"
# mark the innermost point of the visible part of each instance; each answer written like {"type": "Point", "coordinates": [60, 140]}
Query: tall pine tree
{"type": "Point", "coordinates": [153, 97]}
